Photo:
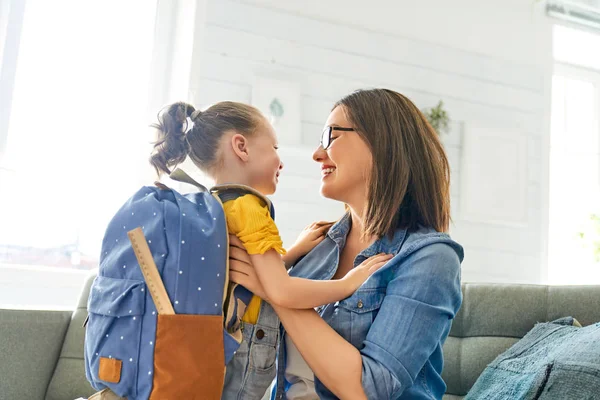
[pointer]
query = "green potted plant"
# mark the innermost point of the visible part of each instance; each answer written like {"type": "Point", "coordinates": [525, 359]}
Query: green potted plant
{"type": "Point", "coordinates": [438, 118]}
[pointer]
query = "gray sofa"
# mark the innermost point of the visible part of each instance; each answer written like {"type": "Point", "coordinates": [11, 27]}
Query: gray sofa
{"type": "Point", "coordinates": [41, 352]}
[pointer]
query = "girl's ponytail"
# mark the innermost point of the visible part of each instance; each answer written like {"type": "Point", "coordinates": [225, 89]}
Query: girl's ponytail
{"type": "Point", "coordinates": [171, 147]}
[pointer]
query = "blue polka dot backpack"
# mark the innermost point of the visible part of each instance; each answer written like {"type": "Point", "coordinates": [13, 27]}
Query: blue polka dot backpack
{"type": "Point", "coordinates": [163, 319]}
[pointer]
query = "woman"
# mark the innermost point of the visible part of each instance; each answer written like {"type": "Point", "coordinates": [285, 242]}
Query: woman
{"type": "Point", "coordinates": [382, 159]}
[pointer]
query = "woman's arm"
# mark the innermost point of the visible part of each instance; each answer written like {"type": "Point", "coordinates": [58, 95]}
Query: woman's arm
{"type": "Point", "coordinates": [421, 299]}
{"type": "Point", "coordinates": [290, 292]}
{"type": "Point", "coordinates": [332, 359]}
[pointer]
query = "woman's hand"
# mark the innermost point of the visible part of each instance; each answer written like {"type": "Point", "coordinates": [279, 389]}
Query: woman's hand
{"type": "Point", "coordinates": [241, 270]}
{"type": "Point", "coordinates": [308, 239]}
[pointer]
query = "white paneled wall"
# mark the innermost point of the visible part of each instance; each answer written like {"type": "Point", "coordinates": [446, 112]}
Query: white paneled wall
{"type": "Point", "coordinates": [490, 64]}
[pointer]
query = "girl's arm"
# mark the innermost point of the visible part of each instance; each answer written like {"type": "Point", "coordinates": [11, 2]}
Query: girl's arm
{"type": "Point", "coordinates": [286, 291]}
{"type": "Point", "coordinates": [251, 222]}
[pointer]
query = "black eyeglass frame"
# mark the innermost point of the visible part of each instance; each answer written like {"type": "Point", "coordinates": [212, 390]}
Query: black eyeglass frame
{"type": "Point", "coordinates": [326, 135]}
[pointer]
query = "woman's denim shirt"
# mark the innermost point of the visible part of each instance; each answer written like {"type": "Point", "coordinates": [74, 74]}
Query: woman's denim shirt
{"type": "Point", "coordinates": [398, 319]}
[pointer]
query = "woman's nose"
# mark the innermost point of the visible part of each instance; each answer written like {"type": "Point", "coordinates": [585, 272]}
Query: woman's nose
{"type": "Point", "coordinates": [319, 154]}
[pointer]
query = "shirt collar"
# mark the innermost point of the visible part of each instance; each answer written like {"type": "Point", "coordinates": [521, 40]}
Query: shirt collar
{"type": "Point", "coordinates": [340, 229]}
{"type": "Point", "coordinates": [386, 244]}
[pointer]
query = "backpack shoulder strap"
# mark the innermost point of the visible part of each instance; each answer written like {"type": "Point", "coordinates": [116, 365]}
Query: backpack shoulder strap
{"type": "Point", "coordinates": [180, 175]}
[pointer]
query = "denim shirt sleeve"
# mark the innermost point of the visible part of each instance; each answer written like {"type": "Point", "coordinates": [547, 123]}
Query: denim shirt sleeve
{"type": "Point", "coordinates": [422, 297]}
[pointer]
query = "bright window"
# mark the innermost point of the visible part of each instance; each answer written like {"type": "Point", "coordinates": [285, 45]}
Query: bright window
{"type": "Point", "coordinates": [76, 146]}
{"type": "Point", "coordinates": [576, 47]}
{"type": "Point", "coordinates": [574, 237]}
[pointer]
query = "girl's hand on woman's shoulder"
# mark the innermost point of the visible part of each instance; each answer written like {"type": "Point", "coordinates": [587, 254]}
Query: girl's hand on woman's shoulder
{"type": "Point", "coordinates": [308, 239]}
{"type": "Point", "coordinates": [358, 275]}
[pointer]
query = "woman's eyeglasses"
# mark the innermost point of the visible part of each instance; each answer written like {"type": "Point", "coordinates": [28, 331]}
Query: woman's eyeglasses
{"type": "Point", "coordinates": [326, 135]}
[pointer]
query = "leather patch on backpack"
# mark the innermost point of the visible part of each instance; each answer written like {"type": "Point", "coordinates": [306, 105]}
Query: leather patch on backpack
{"type": "Point", "coordinates": [109, 370]}
{"type": "Point", "coordinates": [189, 360]}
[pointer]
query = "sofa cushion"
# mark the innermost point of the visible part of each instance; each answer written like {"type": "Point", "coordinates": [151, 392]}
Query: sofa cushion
{"type": "Point", "coordinates": [465, 358]}
{"type": "Point", "coordinates": [553, 361]}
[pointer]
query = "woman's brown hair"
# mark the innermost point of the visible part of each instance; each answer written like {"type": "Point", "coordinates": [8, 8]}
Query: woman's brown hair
{"type": "Point", "coordinates": [409, 183]}
{"type": "Point", "coordinates": [183, 131]}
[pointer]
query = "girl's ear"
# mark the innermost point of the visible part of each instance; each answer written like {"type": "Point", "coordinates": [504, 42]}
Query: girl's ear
{"type": "Point", "coordinates": [239, 144]}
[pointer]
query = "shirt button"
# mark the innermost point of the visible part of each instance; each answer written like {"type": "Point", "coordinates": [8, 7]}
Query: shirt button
{"type": "Point", "coordinates": [360, 304]}
{"type": "Point", "coordinates": [260, 334]}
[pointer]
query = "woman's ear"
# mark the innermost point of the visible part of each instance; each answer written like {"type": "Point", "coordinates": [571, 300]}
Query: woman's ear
{"type": "Point", "coordinates": [239, 144]}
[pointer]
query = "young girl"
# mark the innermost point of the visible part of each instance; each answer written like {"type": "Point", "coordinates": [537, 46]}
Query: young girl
{"type": "Point", "coordinates": [234, 143]}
